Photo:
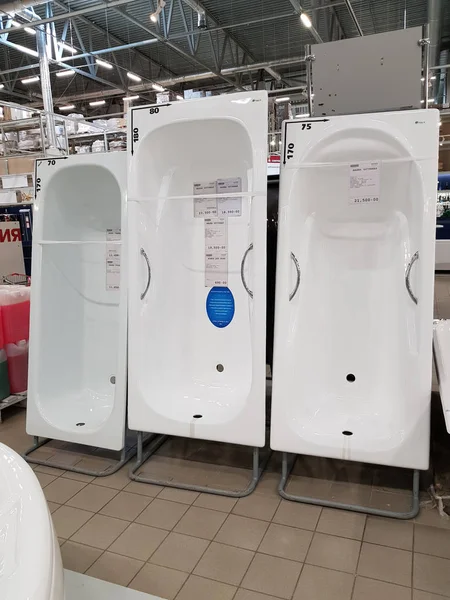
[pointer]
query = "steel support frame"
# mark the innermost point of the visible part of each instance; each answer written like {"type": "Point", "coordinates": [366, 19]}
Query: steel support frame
{"type": "Point", "coordinates": [286, 469]}
{"type": "Point", "coordinates": [126, 454]}
{"type": "Point", "coordinates": [156, 441]}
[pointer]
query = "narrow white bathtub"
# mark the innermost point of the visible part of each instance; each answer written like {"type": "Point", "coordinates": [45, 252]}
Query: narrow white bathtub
{"type": "Point", "coordinates": [77, 366]}
{"type": "Point", "coordinates": [352, 358]}
{"type": "Point", "coordinates": [197, 348]}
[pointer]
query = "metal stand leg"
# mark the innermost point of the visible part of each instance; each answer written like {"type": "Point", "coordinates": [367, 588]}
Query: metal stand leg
{"type": "Point", "coordinates": [286, 470]}
{"type": "Point", "coordinates": [142, 457]}
{"type": "Point", "coordinates": [125, 456]}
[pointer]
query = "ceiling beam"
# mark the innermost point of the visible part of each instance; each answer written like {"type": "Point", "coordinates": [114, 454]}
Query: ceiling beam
{"type": "Point", "coordinates": [299, 9]}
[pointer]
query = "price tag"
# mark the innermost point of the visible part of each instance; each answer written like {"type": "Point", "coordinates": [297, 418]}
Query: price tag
{"type": "Point", "coordinates": [113, 260]}
{"type": "Point", "coordinates": [204, 207]}
{"type": "Point", "coordinates": [229, 207]}
{"type": "Point", "coordinates": [216, 253]}
{"type": "Point", "coordinates": [364, 183]}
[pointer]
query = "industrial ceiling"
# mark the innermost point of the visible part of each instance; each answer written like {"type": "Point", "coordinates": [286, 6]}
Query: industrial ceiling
{"type": "Point", "coordinates": [205, 44]}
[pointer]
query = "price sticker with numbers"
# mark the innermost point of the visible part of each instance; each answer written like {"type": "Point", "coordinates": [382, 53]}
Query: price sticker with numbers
{"type": "Point", "coordinates": [204, 207]}
{"type": "Point", "coordinates": [364, 183]}
{"type": "Point", "coordinates": [232, 206]}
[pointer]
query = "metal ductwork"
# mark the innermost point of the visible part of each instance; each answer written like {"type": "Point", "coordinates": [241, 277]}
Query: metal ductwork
{"type": "Point", "coordinates": [18, 5]}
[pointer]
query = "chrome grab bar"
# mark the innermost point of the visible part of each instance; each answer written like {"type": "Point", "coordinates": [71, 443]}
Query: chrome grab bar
{"type": "Point", "coordinates": [149, 271]}
{"type": "Point", "coordinates": [415, 257]}
{"type": "Point", "coordinates": [244, 283]}
{"type": "Point", "coordinates": [297, 283]}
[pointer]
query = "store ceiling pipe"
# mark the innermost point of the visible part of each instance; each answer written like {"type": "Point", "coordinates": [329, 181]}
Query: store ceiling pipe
{"type": "Point", "coordinates": [18, 5]}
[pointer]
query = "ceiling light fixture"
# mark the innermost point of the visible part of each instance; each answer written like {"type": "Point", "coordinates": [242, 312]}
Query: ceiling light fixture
{"type": "Point", "coordinates": [1, 86]}
{"type": "Point", "coordinates": [157, 87]}
{"type": "Point", "coordinates": [30, 30]}
{"type": "Point", "coordinates": [30, 79]}
{"type": "Point", "coordinates": [179, 97]}
{"type": "Point", "coordinates": [67, 107]}
{"type": "Point", "coordinates": [272, 143]}
{"type": "Point", "coordinates": [133, 76]}
{"type": "Point", "coordinates": [26, 50]}
{"type": "Point", "coordinates": [70, 49]}
{"type": "Point", "coordinates": [283, 99]}
{"type": "Point", "coordinates": [305, 20]}
{"type": "Point", "coordinates": [65, 73]}
{"type": "Point", "coordinates": [97, 103]}
{"type": "Point", "coordinates": [102, 63]}
{"type": "Point", "coordinates": [15, 23]}
{"type": "Point", "coordinates": [155, 15]}
{"type": "Point", "coordinates": [130, 98]}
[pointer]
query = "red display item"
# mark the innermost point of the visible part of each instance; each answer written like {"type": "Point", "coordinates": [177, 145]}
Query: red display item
{"type": "Point", "coordinates": [17, 355]}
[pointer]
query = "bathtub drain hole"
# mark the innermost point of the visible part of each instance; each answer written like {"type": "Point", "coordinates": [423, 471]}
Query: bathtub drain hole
{"type": "Point", "coordinates": [350, 377]}
{"type": "Point", "coordinates": [198, 416]}
{"type": "Point", "coordinates": [220, 368]}
{"type": "Point", "coordinates": [80, 424]}
{"type": "Point", "coordinates": [347, 432]}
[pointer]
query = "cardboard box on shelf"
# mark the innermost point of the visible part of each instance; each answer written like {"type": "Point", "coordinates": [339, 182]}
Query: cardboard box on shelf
{"type": "Point", "coordinates": [18, 166]}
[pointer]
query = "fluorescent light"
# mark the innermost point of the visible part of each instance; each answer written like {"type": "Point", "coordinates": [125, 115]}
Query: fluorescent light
{"type": "Point", "coordinates": [30, 79]}
{"type": "Point", "coordinates": [1, 86]}
{"type": "Point", "coordinates": [30, 30]}
{"type": "Point", "coordinates": [97, 103]}
{"type": "Point", "coordinates": [157, 87]}
{"type": "Point", "coordinates": [432, 100]}
{"type": "Point", "coordinates": [65, 73]}
{"type": "Point", "coordinates": [440, 123]}
{"type": "Point", "coordinates": [130, 98]}
{"type": "Point", "coordinates": [433, 77]}
{"type": "Point", "coordinates": [26, 50]}
{"type": "Point", "coordinates": [279, 143]}
{"type": "Point", "coordinates": [422, 79]}
{"type": "Point", "coordinates": [179, 97]}
{"type": "Point", "coordinates": [302, 116]}
{"type": "Point", "coordinates": [67, 107]}
{"type": "Point", "coordinates": [305, 20]}
{"type": "Point", "coordinates": [102, 63]}
{"type": "Point", "coordinates": [15, 23]}
{"type": "Point", "coordinates": [283, 99]}
{"type": "Point", "coordinates": [272, 143]}
{"type": "Point", "coordinates": [65, 46]}
{"type": "Point", "coordinates": [133, 77]}
{"type": "Point", "coordinates": [153, 18]}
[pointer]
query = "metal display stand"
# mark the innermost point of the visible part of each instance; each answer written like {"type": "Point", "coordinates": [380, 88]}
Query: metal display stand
{"type": "Point", "coordinates": [330, 104]}
{"type": "Point", "coordinates": [126, 454]}
{"type": "Point", "coordinates": [257, 470]}
{"type": "Point", "coordinates": [11, 400]}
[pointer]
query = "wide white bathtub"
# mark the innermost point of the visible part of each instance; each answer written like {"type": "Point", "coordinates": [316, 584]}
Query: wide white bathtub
{"type": "Point", "coordinates": [197, 350]}
{"type": "Point", "coordinates": [354, 291]}
{"type": "Point", "coordinates": [77, 367]}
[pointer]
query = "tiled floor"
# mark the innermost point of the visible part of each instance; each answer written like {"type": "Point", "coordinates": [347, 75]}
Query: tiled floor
{"type": "Point", "coordinates": [190, 546]}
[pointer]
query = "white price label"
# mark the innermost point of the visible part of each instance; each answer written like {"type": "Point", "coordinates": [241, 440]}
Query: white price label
{"type": "Point", "coordinates": [364, 183]}
{"type": "Point", "coordinates": [229, 207]}
{"type": "Point", "coordinates": [204, 207]}
{"type": "Point", "coordinates": [216, 253]}
{"type": "Point", "coordinates": [113, 260]}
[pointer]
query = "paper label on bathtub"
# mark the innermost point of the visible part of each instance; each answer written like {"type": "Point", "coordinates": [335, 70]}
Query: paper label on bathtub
{"type": "Point", "coordinates": [364, 184]}
{"type": "Point", "coordinates": [113, 260]}
{"type": "Point", "coordinates": [216, 253]}
{"type": "Point", "coordinates": [204, 207]}
{"type": "Point", "coordinates": [229, 207]}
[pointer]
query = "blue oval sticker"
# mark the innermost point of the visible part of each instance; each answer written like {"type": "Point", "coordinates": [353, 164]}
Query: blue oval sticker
{"type": "Point", "coordinates": [220, 306]}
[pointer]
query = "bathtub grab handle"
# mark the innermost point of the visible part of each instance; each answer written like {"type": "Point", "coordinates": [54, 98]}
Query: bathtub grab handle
{"type": "Point", "coordinates": [149, 271]}
{"type": "Point", "coordinates": [297, 282]}
{"type": "Point", "coordinates": [413, 297]}
{"type": "Point", "coordinates": [244, 283]}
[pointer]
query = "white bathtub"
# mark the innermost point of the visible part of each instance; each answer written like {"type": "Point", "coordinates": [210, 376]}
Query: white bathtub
{"type": "Point", "coordinates": [191, 374]}
{"type": "Point", "coordinates": [77, 367]}
{"type": "Point", "coordinates": [30, 560]}
{"type": "Point", "coordinates": [352, 358]}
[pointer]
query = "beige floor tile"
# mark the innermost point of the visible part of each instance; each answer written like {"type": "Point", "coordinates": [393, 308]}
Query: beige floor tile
{"type": "Point", "coordinates": [77, 557]}
{"type": "Point", "coordinates": [286, 542]}
{"type": "Point", "coordinates": [92, 497]}
{"type": "Point", "coordinates": [62, 490]}
{"type": "Point", "coordinates": [183, 496]}
{"type": "Point", "coordinates": [179, 551]}
{"type": "Point", "coordinates": [79, 477]}
{"type": "Point", "coordinates": [201, 522]}
{"type": "Point", "coordinates": [342, 523]}
{"type": "Point", "coordinates": [400, 502]}
{"type": "Point", "coordinates": [257, 506]}
{"type": "Point", "coordinates": [116, 481]}
{"type": "Point", "coordinates": [44, 478]}
{"type": "Point", "coordinates": [100, 531]}
{"type": "Point", "coordinates": [370, 589]}
{"type": "Point", "coordinates": [312, 487]}
{"type": "Point", "coordinates": [388, 532]}
{"type": "Point", "coordinates": [224, 563]}
{"type": "Point", "coordinates": [294, 514]}
{"type": "Point", "coordinates": [138, 541]}
{"type": "Point", "coordinates": [126, 506]}
{"type": "Point", "coordinates": [145, 489]}
{"type": "Point", "coordinates": [351, 493]}
{"type": "Point", "coordinates": [242, 532]}
{"type": "Point", "coordinates": [431, 540]}
{"type": "Point", "coordinates": [431, 574]}
{"type": "Point", "coordinates": [242, 594]}
{"type": "Point", "coordinates": [333, 552]}
{"type": "Point", "coordinates": [162, 514]}
{"type": "Point", "coordinates": [115, 568]}
{"type": "Point", "coordinates": [53, 506]}
{"type": "Point", "coordinates": [430, 516]}
{"type": "Point", "coordinates": [198, 588]}
{"type": "Point", "coordinates": [68, 520]}
{"type": "Point", "coordinates": [387, 564]}
{"type": "Point", "coordinates": [159, 581]}
{"type": "Point", "coordinates": [317, 583]}
{"type": "Point", "coordinates": [419, 595]}
{"type": "Point", "coordinates": [270, 575]}
{"type": "Point", "coordinates": [214, 502]}
{"type": "Point", "coordinates": [49, 470]}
